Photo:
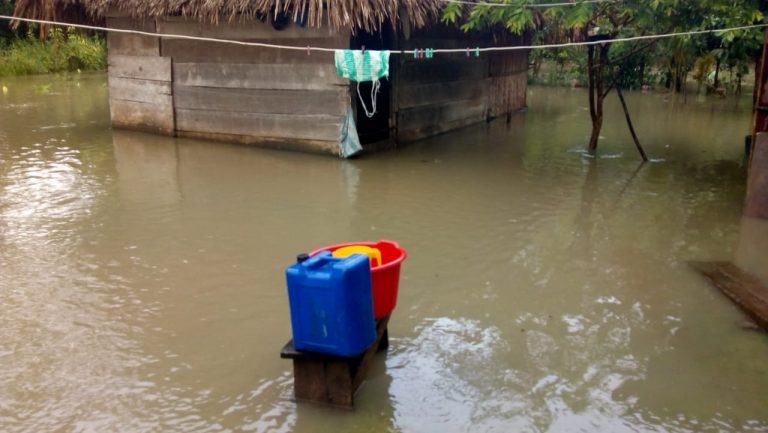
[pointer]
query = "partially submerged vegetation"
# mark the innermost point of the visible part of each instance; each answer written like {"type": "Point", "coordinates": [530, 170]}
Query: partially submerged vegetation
{"type": "Point", "coordinates": [60, 52]}
{"type": "Point", "coordinates": [26, 50]}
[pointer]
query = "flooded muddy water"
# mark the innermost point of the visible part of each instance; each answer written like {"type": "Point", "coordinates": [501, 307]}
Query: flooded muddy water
{"type": "Point", "coordinates": [142, 285]}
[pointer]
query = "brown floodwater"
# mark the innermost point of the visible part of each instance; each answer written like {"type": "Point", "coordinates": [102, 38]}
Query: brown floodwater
{"type": "Point", "coordinates": [142, 285]}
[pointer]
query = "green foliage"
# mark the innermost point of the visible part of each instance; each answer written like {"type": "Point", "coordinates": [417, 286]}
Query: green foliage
{"type": "Point", "coordinates": [6, 8]}
{"type": "Point", "coordinates": [516, 18]}
{"type": "Point", "coordinates": [608, 65]}
{"type": "Point", "coordinates": [61, 52]}
{"type": "Point", "coordinates": [702, 67]}
{"type": "Point", "coordinates": [629, 64]}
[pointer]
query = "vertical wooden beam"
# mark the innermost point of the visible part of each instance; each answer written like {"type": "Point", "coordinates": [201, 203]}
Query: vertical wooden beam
{"type": "Point", "coordinates": [757, 184]}
{"type": "Point", "coordinates": [760, 120]}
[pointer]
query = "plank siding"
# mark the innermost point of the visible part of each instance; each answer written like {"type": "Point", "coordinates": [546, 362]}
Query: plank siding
{"type": "Point", "coordinates": [291, 99]}
{"type": "Point", "coordinates": [264, 76]}
{"type": "Point", "coordinates": [439, 93]}
{"type": "Point", "coordinates": [143, 68]}
{"type": "Point", "coordinates": [276, 98]}
{"type": "Point", "coordinates": [285, 106]}
{"type": "Point", "coordinates": [456, 90]}
{"type": "Point", "coordinates": [132, 45]}
{"type": "Point", "coordinates": [262, 101]}
{"type": "Point", "coordinates": [442, 69]}
{"type": "Point", "coordinates": [283, 126]}
{"type": "Point", "coordinates": [147, 91]}
{"type": "Point", "coordinates": [420, 122]}
{"type": "Point", "coordinates": [141, 93]}
{"type": "Point", "coordinates": [324, 147]}
{"type": "Point", "coordinates": [142, 116]}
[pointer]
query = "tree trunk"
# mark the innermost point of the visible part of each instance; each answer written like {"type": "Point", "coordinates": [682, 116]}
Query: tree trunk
{"type": "Point", "coordinates": [631, 127]}
{"type": "Point", "coordinates": [592, 101]}
{"type": "Point", "coordinates": [758, 74]}
{"type": "Point", "coordinates": [597, 125]}
{"type": "Point", "coordinates": [596, 92]}
{"type": "Point", "coordinates": [717, 74]}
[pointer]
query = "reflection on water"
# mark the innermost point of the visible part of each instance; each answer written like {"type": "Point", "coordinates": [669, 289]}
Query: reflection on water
{"type": "Point", "coordinates": [142, 290]}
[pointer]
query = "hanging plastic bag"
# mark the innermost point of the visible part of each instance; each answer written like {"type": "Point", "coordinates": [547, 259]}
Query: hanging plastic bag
{"type": "Point", "coordinates": [359, 66]}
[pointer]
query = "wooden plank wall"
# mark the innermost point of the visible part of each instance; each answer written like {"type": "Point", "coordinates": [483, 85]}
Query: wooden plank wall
{"type": "Point", "coordinates": [439, 94]}
{"type": "Point", "coordinates": [278, 98]}
{"type": "Point", "coordinates": [140, 93]}
{"type": "Point", "coordinates": [291, 99]}
{"type": "Point", "coordinates": [452, 91]}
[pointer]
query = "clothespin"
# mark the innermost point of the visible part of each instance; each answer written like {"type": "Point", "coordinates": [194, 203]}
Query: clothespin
{"type": "Point", "coordinates": [416, 53]}
{"type": "Point", "coordinates": [362, 49]}
{"type": "Point", "coordinates": [467, 51]}
{"type": "Point", "coordinates": [430, 53]}
{"type": "Point", "coordinates": [309, 50]}
{"type": "Point", "coordinates": [477, 52]}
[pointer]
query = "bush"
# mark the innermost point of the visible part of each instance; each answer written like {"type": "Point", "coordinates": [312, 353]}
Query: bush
{"type": "Point", "coordinates": [61, 52]}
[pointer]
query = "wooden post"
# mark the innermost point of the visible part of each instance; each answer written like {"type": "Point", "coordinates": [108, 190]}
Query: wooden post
{"type": "Point", "coordinates": [757, 183]}
{"type": "Point", "coordinates": [333, 380]}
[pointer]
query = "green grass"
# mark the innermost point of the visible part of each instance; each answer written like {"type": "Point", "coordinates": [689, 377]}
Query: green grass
{"type": "Point", "coordinates": [59, 53]}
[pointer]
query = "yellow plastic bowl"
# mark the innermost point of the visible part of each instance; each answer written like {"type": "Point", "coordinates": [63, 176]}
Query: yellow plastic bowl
{"type": "Point", "coordinates": [373, 254]}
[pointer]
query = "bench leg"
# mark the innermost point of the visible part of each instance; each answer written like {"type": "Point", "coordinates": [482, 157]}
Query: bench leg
{"type": "Point", "coordinates": [384, 343]}
{"type": "Point", "coordinates": [323, 382]}
{"type": "Point", "coordinates": [333, 380]}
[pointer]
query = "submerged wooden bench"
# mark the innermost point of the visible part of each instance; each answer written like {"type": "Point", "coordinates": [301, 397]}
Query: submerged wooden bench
{"type": "Point", "coordinates": [333, 380]}
{"type": "Point", "coordinates": [744, 289]}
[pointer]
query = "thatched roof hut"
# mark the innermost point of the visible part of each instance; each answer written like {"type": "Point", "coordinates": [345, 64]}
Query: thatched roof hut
{"type": "Point", "coordinates": [295, 98]}
{"type": "Point", "coordinates": [353, 14]}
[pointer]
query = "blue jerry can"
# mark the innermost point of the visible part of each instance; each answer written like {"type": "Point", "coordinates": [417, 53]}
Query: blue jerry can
{"type": "Point", "coordinates": [331, 304]}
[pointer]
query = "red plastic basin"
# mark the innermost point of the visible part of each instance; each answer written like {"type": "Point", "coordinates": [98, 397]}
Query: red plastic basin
{"type": "Point", "coordinates": [385, 278]}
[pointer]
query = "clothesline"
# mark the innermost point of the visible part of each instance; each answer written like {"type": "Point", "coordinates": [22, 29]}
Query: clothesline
{"type": "Point", "coordinates": [310, 49]}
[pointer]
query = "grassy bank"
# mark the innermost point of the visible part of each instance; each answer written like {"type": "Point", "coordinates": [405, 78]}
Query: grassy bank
{"type": "Point", "coordinates": [59, 53]}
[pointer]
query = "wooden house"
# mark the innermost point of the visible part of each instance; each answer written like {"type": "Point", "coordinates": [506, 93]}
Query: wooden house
{"type": "Point", "coordinates": [295, 99]}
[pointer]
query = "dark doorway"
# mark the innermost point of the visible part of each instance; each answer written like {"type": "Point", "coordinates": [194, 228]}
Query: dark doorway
{"type": "Point", "coordinates": [376, 128]}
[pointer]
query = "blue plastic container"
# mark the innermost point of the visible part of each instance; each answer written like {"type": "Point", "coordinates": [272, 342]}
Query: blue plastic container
{"type": "Point", "coordinates": [331, 304]}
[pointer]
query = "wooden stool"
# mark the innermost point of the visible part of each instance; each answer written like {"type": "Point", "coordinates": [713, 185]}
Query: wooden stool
{"type": "Point", "coordinates": [329, 379]}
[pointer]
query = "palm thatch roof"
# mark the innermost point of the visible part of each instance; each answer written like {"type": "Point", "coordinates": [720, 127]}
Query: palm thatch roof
{"type": "Point", "coordinates": [354, 14]}
{"type": "Point", "coordinates": [70, 11]}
